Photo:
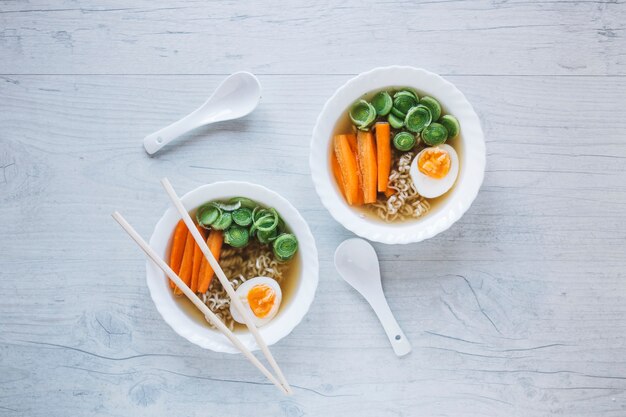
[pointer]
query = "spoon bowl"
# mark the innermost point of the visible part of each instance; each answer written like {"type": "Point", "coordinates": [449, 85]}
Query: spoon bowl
{"type": "Point", "coordinates": [236, 97]}
{"type": "Point", "coordinates": [357, 263]}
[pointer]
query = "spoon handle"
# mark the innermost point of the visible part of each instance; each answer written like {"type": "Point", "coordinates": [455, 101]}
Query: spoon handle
{"type": "Point", "coordinates": [155, 141]}
{"type": "Point", "coordinates": [398, 340]}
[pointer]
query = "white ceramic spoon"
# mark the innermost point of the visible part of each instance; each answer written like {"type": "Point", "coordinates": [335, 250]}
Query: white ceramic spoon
{"type": "Point", "coordinates": [235, 97]}
{"type": "Point", "coordinates": [357, 263]}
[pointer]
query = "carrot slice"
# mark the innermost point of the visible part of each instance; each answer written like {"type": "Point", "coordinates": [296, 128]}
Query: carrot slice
{"type": "Point", "coordinates": [389, 192]}
{"type": "Point", "coordinates": [352, 140]}
{"type": "Point", "coordinates": [198, 256]}
{"type": "Point", "coordinates": [353, 146]}
{"type": "Point", "coordinates": [367, 165]}
{"type": "Point", "coordinates": [349, 167]}
{"type": "Point", "coordinates": [383, 153]}
{"type": "Point", "coordinates": [186, 266]}
{"type": "Point", "coordinates": [178, 247]}
{"type": "Point", "coordinates": [214, 242]}
{"type": "Point", "coordinates": [337, 173]}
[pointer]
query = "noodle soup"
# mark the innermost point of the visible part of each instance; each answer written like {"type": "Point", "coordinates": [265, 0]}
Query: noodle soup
{"type": "Point", "coordinates": [395, 154]}
{"type": "Point", "coordinates": [257, 252]}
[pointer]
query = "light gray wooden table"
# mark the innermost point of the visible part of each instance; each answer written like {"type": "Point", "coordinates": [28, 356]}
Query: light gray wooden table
{"type": "Point", "coordinates": [517, 310]}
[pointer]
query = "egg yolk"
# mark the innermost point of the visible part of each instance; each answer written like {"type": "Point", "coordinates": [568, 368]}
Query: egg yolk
{"type": "Point", "coordinates": [261, 300]}
{"type": "Point", "coordinates": [434, 162]}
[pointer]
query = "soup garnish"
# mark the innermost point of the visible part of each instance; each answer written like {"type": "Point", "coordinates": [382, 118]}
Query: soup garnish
{"type": "Point", "coordinates": [382, 103]}
{"type": "Point", "coordinates": [434, 134]}
{"type": "Point", "coordinates": [394, 161]}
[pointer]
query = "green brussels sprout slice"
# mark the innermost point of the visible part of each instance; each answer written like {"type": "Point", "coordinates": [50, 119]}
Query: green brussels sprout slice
{"type": "Point", "coordinates": [228, 206]}
{"type": "Point", "coordinates": [395, 122]}
{"type": "Point", "coordinates": [382, 103]}
{"type": "Point", "coordinates": [434, 134]}
{"type": "Point", "coordinates": [404, 141]}
{"type": "Point", "coordinates": [451, 124]}
{"type": "Point", "coordinates": [244, 202]}
{"type": "Point", "coordinates": [267, 223]}
{"type": "Point", "coordinates": [267, 237]}
{"type": "Point", "coordinates": [223, 221]}
{"type": "Point", "coordinates": [258, 212]}
{"type": "Point", "coordinates": [236, 236]}
{"type": "Point", "coordinates": [207, 214]}
{"type": "Point", "coordinates": [362, 114]}
{"type": "Point", "coordinates": [404, 100]}
{"type": "Point", "coordinates": [242, 216]}
{"type": "Point", "coordinates": [433, 105]}
{"type": "Point", "coordinates": [418, 118]}
{"type": "Point", "coordinates": [285, 247]}
{"type": "Point", "coordinates": [413, 92]}
{"type": "Point", "coordinates": [398, 113]}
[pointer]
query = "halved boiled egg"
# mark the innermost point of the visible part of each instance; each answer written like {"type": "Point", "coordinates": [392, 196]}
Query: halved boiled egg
{"type": "Point", "coordinates": [434, 170]}
{"type": "Point", "coordinates": [261, 296]}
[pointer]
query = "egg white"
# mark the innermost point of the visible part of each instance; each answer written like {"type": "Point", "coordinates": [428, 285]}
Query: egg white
{"type": "Point", "coordinates": [242, 294]}
{"type": "Point", "coordinates": [432, 187]}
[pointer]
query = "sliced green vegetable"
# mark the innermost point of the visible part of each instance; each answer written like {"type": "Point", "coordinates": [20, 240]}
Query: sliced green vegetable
{"type": "Point", "coordinates": [267, 223]}
{"type": "Point", "coordinates": [207, 214]}
{"type": "Point", "coordinates": [281, 225]}
{"type": "Point", "coordinates": [398, 113]}
{"type": "Point", "coordinates": [382, 103]}
{"type": "Point", "coordinates": [418, 118]}
{"type": "Point", "coordinates": [395, 122]}
{"type": "Point", "coordinates": [242, 216]}
{"type": "Point", "coordinates": [245, 202]}
{"type": "Point", "coordinates": [236, 236]}
{"type": "Point", "coordinates": [404, 141]}
{"type": "Point", "coordinates": [285, 246]}
{"type": "Point", "coordinates": [412, 91]}
{"type": "Point", "coordinates": [404, 100]}
{"type": "Point", "coordinates": [267, 237]}
{"type": "Point", "coordinates": [258, 212]}
{"type": "Point", "coordinates": [223, 221]}
{"type": "Point", "coordinates": [362, 114]}
{"type": "Point", "coordinates": [451, 124]}
{"type": "Point", "coordinates": [434, 134]}
{"type": "Point", "coordinates": [433, 105]}
{"type": "Point", "coordinates": [228, 206]}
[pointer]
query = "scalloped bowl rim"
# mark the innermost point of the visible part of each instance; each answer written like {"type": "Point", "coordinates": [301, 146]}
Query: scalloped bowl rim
{"type": "Point", "coordinates": [289, 316]}
{"type": "Point", "coordinates": [473, 155]}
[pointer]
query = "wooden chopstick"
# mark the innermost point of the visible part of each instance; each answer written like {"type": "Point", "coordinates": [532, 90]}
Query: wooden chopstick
{"type": "Point", "coordinates": [195, 300]}
{"type": "Point", "coordinates": [225, 282]}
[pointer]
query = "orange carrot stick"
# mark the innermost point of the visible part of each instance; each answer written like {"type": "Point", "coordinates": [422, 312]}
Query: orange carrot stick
{"type": "Point", "coordinates": [389, 192]}
{"type": "Point", "coordinates": [383, 153]}
{"type": "Point", "coordinates": [197, 262]}
{"type": "Point", "coordinates": [368, 165]}
{"type": "Point", "coordinates": [214, 242]}
{"type": "Point", "coordinates": [337, 173]}
{"type": "Point", "coordinates": [355, 150]}
{"type": "Point", "coordinates": [352, 141]}
{"type": "Point", "coordinates": [186, 266]}
{"type": "Point", "coordinates": [349, 167]}
{"type": "Point", "coordinates": [178, 247]}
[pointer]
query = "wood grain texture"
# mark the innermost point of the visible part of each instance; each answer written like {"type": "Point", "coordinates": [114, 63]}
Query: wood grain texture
{"type": "Point", "coordinates": [518, 310]}
{"type": "Point", "coordinates": [446, 36]}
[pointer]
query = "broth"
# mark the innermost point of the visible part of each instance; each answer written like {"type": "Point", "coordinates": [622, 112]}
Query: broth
{"type": "Point", "coordinates": [345, 125]}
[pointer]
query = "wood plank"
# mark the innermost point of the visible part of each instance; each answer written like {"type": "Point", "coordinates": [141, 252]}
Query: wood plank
{"type": "Point", "coordinates": [517, 310]}
{"type": "Point", "coordinates": [448, 37]}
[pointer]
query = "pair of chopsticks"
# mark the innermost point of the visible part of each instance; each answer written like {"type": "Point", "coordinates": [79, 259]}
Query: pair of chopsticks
{"type": "Point", "coordinates": [280, 382]}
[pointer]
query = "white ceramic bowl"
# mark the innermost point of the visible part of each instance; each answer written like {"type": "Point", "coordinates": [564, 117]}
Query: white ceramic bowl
{"type": "Point", "coordinates": [197, 331]}
{"type": "Point", "coordinates": [472, 157]}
